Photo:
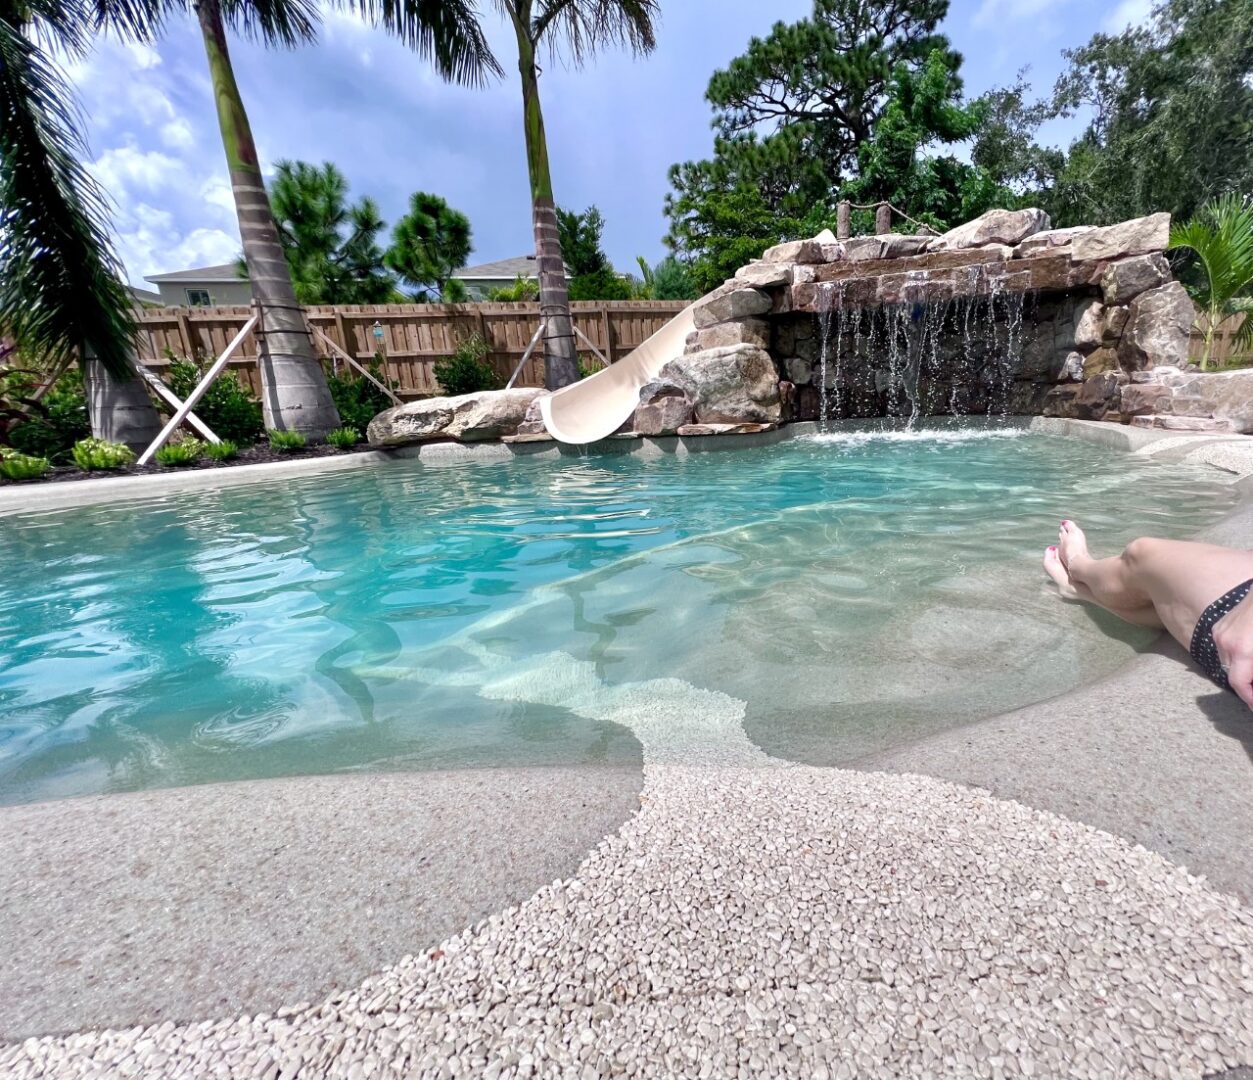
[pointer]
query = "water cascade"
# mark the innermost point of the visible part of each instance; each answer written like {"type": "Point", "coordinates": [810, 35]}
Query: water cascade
{"type": "Point", "coordinates": [919, 356]}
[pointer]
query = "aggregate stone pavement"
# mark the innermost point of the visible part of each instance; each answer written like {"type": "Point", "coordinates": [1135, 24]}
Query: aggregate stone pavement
{"type": "Point", "coordinates": [761, 919]}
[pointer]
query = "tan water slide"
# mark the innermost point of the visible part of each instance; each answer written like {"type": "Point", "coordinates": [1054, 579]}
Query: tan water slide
{"type": "Point", "coordinates": [597, 406]}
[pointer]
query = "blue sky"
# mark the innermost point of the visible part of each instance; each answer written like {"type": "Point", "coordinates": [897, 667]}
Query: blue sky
{"type": "Point", "coordinates": [362, 101]}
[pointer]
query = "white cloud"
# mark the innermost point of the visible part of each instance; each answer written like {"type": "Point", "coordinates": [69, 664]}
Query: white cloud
{"type": "Point", "coordinates": [125, 169]}
{"type": "Point", "coordinates": [1128, 13]}
{"type": "Point", "coordinates": [999, 11]}
{"type": "Point", "coordinates": [177, 134]}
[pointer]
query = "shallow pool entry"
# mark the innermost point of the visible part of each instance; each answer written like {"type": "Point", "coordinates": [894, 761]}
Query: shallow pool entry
{"type": "Point", "coordinates": [844, 592]}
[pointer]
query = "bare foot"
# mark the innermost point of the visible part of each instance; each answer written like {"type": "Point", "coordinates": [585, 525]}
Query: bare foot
{"type": "Point", "coordinates": [1072, 545]}
{"type": "Point", "coordinates": [1054, 568]}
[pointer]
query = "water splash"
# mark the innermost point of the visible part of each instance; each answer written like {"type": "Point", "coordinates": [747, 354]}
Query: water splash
{"type": "Point", "coordinates": [910, 359]}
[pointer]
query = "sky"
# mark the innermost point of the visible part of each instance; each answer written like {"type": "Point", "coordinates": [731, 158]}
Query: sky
{"type": "Point", "coordinates": [361, 100]}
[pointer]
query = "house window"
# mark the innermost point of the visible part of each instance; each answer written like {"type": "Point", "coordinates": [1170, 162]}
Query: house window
{"type": "Point", "coordinates": [199, 297]}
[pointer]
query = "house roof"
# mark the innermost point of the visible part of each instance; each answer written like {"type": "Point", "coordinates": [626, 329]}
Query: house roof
{"type": "Point", "coordinates": [144, 296]}
{"type": "Point", "coordinates": [225, 272]}
{"type": "Point", "coordinates": [521, 266]}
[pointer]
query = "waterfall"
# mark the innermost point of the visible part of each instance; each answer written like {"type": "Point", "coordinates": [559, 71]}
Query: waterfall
{"type": "Point", "coordinates": [895, 359]}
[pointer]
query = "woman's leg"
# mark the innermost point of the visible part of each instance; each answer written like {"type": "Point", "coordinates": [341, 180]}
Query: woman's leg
{"type": "Point", "coordinates": [1173, 580]}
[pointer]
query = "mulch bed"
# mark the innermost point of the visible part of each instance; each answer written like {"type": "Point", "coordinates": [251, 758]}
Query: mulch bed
{"type": "Point", "coordinates": [253, 455]}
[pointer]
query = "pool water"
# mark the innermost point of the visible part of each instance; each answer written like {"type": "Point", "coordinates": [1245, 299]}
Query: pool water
{"type": "Point", "coordinates": [854, 591]}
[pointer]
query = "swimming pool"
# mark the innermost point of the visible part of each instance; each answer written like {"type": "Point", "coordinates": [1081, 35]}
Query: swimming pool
{"type": "Point", "coordinates": [854, 591]}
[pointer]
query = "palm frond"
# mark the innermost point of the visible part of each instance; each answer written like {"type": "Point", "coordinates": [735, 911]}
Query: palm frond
{"type": "Point", "coordinates": [1221, 237]}
{"type": "Point", "coordinates": [1243, 305]}
{"type": "Point", "coordinates": [285, 23]}
{"type": "Point", "coordinates": [587, 25]}
{"type": "Point", "coordinates": [60, 287]}
{"type": "Point", "coordinates": [445, 31]}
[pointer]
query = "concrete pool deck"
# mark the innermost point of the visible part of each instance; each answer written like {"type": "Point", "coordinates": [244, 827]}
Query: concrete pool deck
{"type": "Point", "coordinates": [754, 916]}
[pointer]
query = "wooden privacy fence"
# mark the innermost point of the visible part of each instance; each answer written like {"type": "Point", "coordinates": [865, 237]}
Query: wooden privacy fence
{"type": "Point", "coordinates": [411, 337]}
{"type": "Point", "coordinates": [1224, 342]}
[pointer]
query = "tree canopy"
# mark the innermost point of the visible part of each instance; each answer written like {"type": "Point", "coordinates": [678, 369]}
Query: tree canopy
{"type": "Point", "coordinates": [592, 276]}
{"type": "Point", "coordinates": [430, 244]}
{"type": "Point", "coordinates": [851, 102]}
{"type": "Point", "coordinates": [332, 247]}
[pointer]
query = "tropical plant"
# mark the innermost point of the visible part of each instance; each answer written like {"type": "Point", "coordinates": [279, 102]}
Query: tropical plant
{"type": "Point", "coordinates": [667, 280]}
{"type": "Point", "coordinates": [180, 454]}
{"type": "Point", "coordinates": [286, 441]}
{"type": "Point", "coordinates": [582, 26]}
{"type": "Point", "coordinates": [430, 244]}
{"type": "Point", "coordinates": [344, 438]}
{"type": "Point", "coordinates": [98, 454]}
{"type": "Point", "coordinates": [332, 248]}
{"type": "Point", "coordinates": [50, 426]}
{"type": "Point", "coordinates": [359, 401]}
{"type": "Point", "coordinates": [228, 408]}
{"type": "Point", "coordinates": [19, 466]}
{"type": "Point", "coordinates": [467, 370]}
{"type": "Point", "coordinates": [296, 395]}
{"type": "Point", "coordinates": [61, 288]}
{"type": "Point", "coordinates": [521, 291]}
{"type": "Point", "coordinates": [221, 451]}
{"type": "Point", "coordinates": [1221, 239]}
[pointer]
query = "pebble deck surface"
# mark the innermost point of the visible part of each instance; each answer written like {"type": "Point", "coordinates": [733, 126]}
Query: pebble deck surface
{"type": "Point", "coordinates": [762, 919]}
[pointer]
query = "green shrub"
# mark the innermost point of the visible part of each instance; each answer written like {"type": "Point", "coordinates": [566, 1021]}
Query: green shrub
{"type": "Point", "coordinates": [358, 400]}
{"type": "Point", "coordinates": [178, 455]}
{"type": "Point", "coordinates": [467, 370]}
{"type": "Point", "coordinates": [228, 408]}
{"type": "Point", "coordinates": [92, 454]}
{"type": "Point", "coordinates": [221, 451]}
{"type": "Point", "coordinates": [286, 441]}
{"type": "Point", "coordinates": [59, 422]}
{"type": "Point", "coordinates": [345, 438]}
{"type": "Point", "coordinates": [522, 290]}
{"type": "Point", "coordinates": [18, 466]}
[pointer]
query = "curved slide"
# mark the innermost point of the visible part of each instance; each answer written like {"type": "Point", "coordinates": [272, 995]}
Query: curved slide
{"type": "Point", "coordinates": [597, 406]}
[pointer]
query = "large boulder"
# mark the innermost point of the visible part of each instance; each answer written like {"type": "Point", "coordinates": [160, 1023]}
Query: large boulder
{"type": "Point", "coordinates": [994, 227]}
{"type": "Point", "coordinates": [735, 385]}
{"type": "Point", "coordinates": [1159, 326]}
{"type": "Point", "coordinates": [1050, 242]}
{"type": "Point", "coordinates": [1139, 236]}
{"type": "Point", "coordinates": [736, 304]}
{"type": "Point", "coordinates": [1128, 278]}
{"type": "Point", "coordinates": [736, 332]}
{"type": "Point", "coordinates": [488, 414]}
{"type": "Point", "coordinates": [664, 408]}
{"type": "Point", "coordinates": [795, 251]}
{"type": "Point", "coordinates": [765, 275]}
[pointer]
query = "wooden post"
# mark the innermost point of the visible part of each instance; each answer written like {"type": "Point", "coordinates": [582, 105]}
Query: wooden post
{"type": "Point", "coordinates": [342, 331]}
{"type": "Point", "coordinates": [844, 220]}
{"type": "Point", "coordinates": [882, 219]}
{"type": "Point", "coordinates": [184, 332]}
{"type": "Point", "coordinates": [607, 323]}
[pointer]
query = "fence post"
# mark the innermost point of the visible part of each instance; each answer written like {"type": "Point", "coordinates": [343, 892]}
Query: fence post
{"type": "Point", "coordinates": [607, 323]}
{"type": "Point", "coordinates": [844, 220]}
{"type": "Point", "coordinates": [184, 332]}
{"type": "Point", "coordinates": [882, 219]}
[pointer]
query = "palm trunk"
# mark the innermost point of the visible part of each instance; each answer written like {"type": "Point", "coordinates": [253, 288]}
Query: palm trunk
{"type": "Point", "coordinates": [120, 409]}
{"type": "Point", "coordinates": [295, 396]}
{"type": "Point", "coordinates": [561, 358]}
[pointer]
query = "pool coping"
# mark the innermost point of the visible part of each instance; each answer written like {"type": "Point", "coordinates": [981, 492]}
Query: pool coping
{"type": "Point", "coordinates": [27, 498]}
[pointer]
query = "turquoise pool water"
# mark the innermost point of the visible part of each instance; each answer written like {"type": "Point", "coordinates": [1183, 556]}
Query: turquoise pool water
{"type": "Point", "coordinates": [854, 591]}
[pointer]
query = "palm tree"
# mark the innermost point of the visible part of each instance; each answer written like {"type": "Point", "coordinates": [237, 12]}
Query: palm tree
{"type": "Point", "coordinates": [61, 289]}
{"type": "Point", "coordinates": [583, 26]}
{"type": "Point", "coordinates": [294, 386]}
{"type": "Point", "coordinates": [1221, 237]}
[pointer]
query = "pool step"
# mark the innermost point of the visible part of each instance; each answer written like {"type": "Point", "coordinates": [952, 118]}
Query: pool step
{"type": "Point", "coordinates": [1168, 422]}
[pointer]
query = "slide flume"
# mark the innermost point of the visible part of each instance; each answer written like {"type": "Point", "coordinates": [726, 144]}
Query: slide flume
{"type": "Point", "coordinates": [597, 406]}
